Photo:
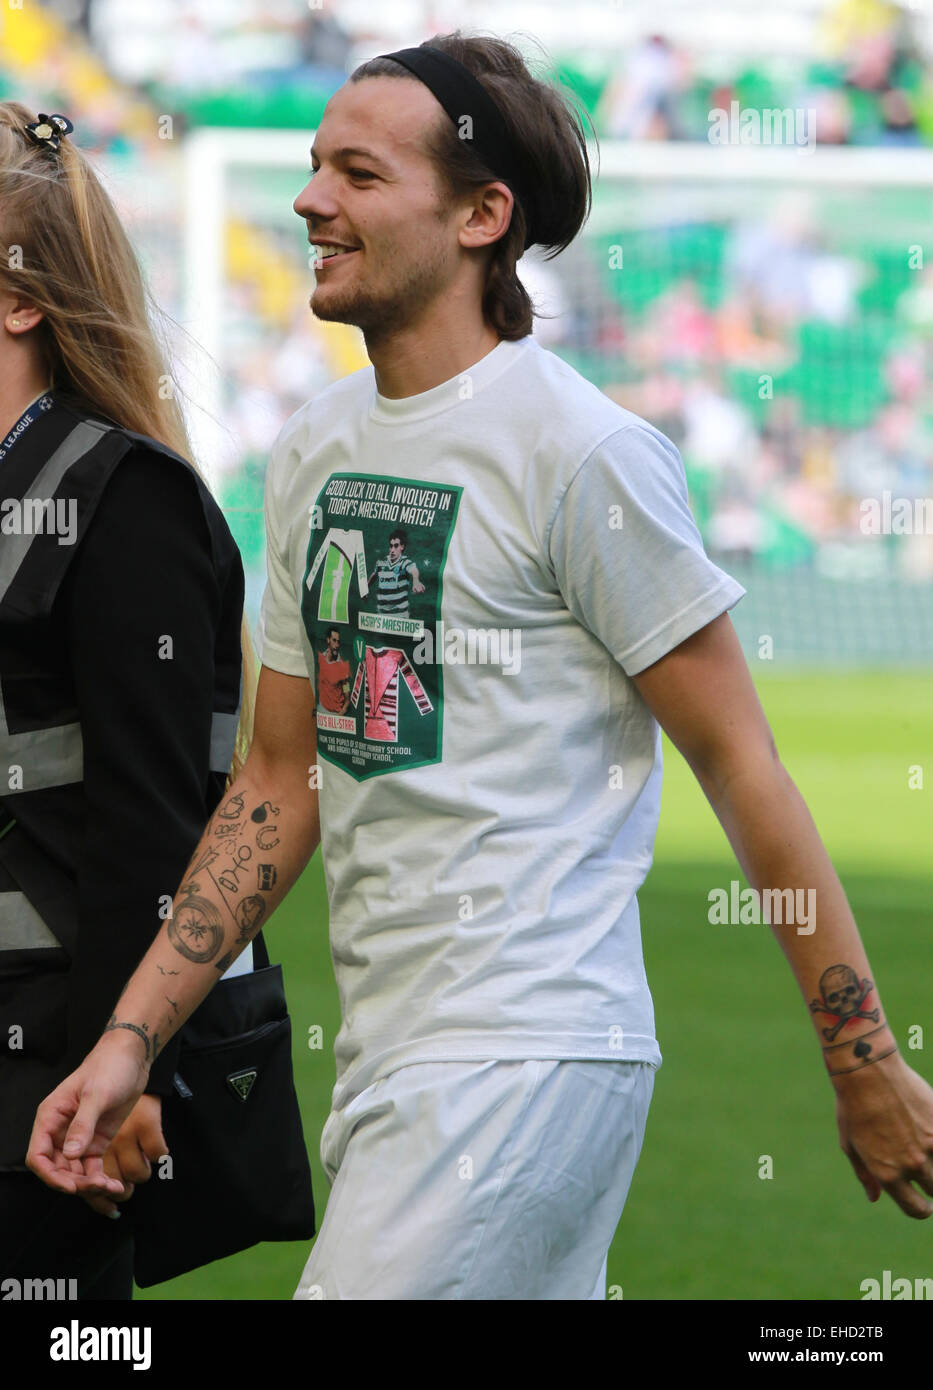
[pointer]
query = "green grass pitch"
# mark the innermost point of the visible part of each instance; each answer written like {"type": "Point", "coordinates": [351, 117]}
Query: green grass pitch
{"type": "Point", "coordinates": [742, 1076]}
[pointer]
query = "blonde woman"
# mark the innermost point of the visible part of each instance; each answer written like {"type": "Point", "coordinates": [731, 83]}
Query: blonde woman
{"type": "Point", "coordinates": [121, 593]}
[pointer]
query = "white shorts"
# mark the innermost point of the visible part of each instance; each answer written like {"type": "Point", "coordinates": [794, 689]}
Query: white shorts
{"type": "Point", "coordinates": [479, 1180]}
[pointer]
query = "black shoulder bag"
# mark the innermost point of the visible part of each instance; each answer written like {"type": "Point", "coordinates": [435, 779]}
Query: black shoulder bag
{"type": "Point", "coordinates": [239, 1170]}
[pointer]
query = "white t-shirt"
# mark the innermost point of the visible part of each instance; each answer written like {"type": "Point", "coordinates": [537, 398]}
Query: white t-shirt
{"type": "Point", "coordinates": [487, 817]}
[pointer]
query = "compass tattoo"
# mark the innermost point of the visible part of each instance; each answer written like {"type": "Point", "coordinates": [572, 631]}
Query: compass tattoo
{"type": "Point", "coordinates": [195, 930]}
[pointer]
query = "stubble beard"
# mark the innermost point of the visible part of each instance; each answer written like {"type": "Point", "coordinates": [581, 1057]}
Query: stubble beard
{"type": "Point", "coordinates": [410, 290]}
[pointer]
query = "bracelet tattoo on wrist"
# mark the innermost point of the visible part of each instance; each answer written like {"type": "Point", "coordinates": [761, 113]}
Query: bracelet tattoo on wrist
{"type": "Point", "coordinates": [858, 1054]}
{"type": "Point", "coordinates": [139, 1031]}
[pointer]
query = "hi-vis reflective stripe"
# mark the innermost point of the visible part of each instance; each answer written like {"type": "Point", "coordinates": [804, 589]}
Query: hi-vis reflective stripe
{"type": "Point", "coordinates": [45, 484]}
{"type": "Point", "coordinates": [223, 738]}
{"type": "Point", "coordinates": [55, 757]}
{"type": "Point", "coordinates": [48, 757]}
{"type": "Point", "coordinates": [21, 927]}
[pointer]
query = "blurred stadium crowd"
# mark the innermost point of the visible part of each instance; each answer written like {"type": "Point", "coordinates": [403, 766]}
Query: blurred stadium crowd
{"type": "Point", "coordinates": [783, 347]}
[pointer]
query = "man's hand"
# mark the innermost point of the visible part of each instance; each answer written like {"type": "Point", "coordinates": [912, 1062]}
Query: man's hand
{"type": "Point", "coordinates": [138, 1140]}
{"type": "Point", "coordinates": [885, 1118]}
{"type": "Point", "coordinates": [76, 1123]}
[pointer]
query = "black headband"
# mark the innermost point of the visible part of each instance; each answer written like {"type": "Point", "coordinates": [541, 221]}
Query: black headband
{"type": "Point", "coordinates": [460, 94]}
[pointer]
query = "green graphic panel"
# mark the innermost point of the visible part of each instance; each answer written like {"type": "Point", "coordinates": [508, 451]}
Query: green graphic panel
{"type": "Point", "coordinates": [371, 604]}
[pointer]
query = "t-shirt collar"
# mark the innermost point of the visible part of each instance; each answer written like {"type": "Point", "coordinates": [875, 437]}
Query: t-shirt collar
{"type": "Point", "coordinates": [461, 387]}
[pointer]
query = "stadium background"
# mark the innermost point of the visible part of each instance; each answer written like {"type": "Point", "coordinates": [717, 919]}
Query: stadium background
{"type": "Point", "coordinates": [772, 311]}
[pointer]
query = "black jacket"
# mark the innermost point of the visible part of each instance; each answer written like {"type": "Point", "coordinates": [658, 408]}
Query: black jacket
{"type": "Point", "coordinates": [119, 695]}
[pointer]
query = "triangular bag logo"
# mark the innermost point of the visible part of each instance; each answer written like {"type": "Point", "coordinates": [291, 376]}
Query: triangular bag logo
{"type": "Point", "coordinates": [241, 1082]}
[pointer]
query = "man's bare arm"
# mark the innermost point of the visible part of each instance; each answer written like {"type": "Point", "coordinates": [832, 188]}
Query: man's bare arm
{"type": "Point", "coordinates": [703, 696]}
{"type": "Point", "coordinates": [253, 849]}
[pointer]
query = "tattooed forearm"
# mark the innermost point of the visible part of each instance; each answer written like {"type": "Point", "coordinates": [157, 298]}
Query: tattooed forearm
{"type": "Point", "coordinates": [233, 883]}
{"type": "Point", "coordinates": [846, 999]}
{"type": "Point", "coordinates": [195, 928]}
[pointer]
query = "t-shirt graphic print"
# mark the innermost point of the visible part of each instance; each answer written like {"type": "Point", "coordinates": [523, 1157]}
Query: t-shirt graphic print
{"type": "Point", "coordinates": [382, 668]}
{"type": "Point", "coordinates": [377, 578]}
{"type": "Point", "coordinates": [340, 552]}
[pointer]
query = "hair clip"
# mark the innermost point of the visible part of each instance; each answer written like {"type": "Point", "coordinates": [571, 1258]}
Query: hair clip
{"type": "Point", "coordinates": [48, 130]}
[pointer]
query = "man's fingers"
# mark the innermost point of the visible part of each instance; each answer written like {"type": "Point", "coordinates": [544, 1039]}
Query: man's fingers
{"type": "Point", "coordinates": [81, 1117]}
{"type": "Point", "coordinates": [924, 1178]}
{"type": "Point", "coordinates": [85, 1136]}
{"type": "Point", "coordinates": [78, 1137]}
{"type": "Point", "coordinates": [59, 1178]}
{"type": "Point", "coordinates": [898, 1189]}
{"type": "Point", "coordinates": [907, 1196]}
{"type": "Point", "coordinates": [44, 1155]}
{"type": "Point", "coordinates": [91, 1179]}
{"type": "Point", "coordinates": [96, 1184]}
{"type": "Point", "coordinates": [908, 1199]}
{"type": "Point", "coordinates": [96, 1173]}
{"type": "Point", "coordinates": [870, 1183]}
{"type": "Point", "coordinates": [102, 1205]}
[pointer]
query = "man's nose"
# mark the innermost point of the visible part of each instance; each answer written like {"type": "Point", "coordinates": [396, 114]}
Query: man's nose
{"type": "Point", "coordinates": [314, 201]}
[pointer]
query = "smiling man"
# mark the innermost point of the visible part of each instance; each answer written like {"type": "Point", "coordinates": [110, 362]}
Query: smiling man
{"type": "Point", "coordinates": [485, 831]}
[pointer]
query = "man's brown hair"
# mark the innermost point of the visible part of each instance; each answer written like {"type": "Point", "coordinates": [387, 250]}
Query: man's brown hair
{"type": "Point", "coordinates": [548, 130]}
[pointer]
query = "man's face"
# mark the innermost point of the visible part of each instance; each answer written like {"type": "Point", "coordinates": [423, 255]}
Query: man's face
{"type": "Point", "coordinates": [333, 644]}
{"type": "Point", "coordinates": [374, 189]}
{"type": "Point", "coordinates": [395, 548]}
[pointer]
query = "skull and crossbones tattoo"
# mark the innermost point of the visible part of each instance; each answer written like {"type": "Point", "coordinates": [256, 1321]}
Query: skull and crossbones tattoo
{"type": "Point", "coordinates": [843, 996]}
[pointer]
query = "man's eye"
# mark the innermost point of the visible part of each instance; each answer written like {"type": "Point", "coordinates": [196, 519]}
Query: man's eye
{"type": "Point", "coordinates": [355, 173]}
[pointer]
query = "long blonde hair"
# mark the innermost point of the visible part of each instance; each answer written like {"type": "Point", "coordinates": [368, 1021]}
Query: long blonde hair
{"type": "Point", "coordinates": [98, 329]}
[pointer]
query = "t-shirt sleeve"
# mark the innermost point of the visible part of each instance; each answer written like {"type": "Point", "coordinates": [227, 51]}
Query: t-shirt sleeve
{"type": "Point", "coordinates": [626, 552]}
{"type": "Point", "coordinates": [279, 631]}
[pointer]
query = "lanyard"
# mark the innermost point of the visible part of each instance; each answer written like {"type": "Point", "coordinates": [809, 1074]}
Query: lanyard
{"type": "Point", "coordinates": [29, 415]}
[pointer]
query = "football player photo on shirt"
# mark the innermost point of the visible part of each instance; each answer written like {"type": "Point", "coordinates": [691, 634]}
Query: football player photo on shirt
{"type": "Point", "coordinates": [333, 682]}
{"type": "Point", "coordinates": [395, 577]}
{"type": "Point", "coordinates": [371, 595]}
